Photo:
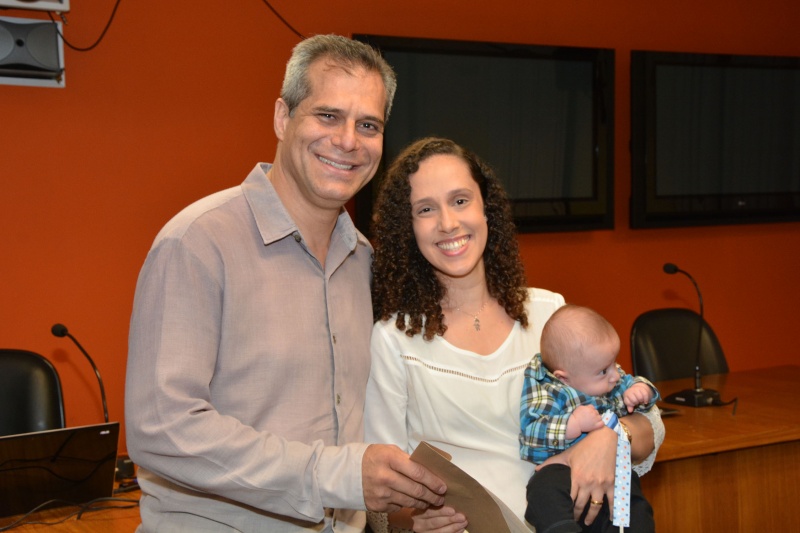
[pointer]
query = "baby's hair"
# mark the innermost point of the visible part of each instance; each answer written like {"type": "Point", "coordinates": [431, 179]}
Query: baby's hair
{"type": "Point", "coordinates": [568, 331]}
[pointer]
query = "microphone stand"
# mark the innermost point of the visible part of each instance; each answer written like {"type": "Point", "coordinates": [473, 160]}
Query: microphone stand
{"type": "Point", "coordinates": [698, 396]}
{"type": "Point", "coordinates": [60, 330]}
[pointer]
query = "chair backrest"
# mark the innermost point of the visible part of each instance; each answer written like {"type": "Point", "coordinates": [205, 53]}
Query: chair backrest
{"type": "Point", "coordinates": [664, 345]}
{"type": "Point", "coordinates": [30, 393]}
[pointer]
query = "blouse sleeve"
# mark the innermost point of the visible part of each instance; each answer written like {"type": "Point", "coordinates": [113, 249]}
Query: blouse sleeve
{"type": "Point", "coordinates": [654, 417]}
{"type": "Point", "coordinates": [385, 409]}
{"type": "Point", "coordinates": [387, 391]}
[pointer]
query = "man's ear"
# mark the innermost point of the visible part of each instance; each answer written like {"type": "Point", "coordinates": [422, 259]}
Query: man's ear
{"type": "Point", "coordinates": [281, 118]}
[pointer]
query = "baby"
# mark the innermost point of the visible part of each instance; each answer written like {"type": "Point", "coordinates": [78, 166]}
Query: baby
{"type": "Point", "coordinates": [568, 386]}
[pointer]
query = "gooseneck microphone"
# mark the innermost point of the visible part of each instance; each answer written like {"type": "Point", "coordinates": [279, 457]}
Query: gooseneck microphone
{"type": "Point", "coordinates": [60, 330]}
{"type": "Point", "coordinates": [697, 397]}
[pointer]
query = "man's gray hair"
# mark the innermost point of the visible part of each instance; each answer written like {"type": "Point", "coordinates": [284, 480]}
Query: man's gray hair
{"type": "Point", "coordinates": [342, 51]}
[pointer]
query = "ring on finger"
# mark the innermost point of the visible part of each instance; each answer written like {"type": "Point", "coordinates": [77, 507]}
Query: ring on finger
{"type": "Point", "coordinates": [595, 502]}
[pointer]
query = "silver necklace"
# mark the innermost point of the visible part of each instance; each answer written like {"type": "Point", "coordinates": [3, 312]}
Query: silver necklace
{"type": "Point", "coordinates": [476, 323]}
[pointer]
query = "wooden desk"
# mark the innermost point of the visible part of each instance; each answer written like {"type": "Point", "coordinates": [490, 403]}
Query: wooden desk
{"type": "Point", "coordinates": [716, 472]}
{"type": "Point", "coordinates": [724, 472]}
{"type": "Point", "coordinates": [105, 521]}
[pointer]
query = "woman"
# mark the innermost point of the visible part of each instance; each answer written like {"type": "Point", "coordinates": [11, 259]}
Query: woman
{"type": "Point", "coordinates": [455, 329]}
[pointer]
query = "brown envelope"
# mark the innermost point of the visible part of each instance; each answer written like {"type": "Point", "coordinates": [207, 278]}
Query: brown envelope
{"type": "Point", "coordinates": [484, 511]}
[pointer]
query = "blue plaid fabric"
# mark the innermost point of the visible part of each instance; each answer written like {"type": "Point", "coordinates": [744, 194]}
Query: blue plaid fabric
{"type": "Point", "coordinates": [547, 403]}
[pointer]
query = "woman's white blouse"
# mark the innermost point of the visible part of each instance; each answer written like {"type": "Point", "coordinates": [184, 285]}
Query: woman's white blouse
{"type": "Point", "coordinates": [464, 403]}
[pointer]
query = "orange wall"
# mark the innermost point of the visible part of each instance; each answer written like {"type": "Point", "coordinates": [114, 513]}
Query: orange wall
{"type": "Point", "coordinates": [177, 102]}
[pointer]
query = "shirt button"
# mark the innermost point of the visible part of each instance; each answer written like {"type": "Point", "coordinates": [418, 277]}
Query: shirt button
{"type": "Point", "coordinates": [334, 339]}
{"type": "Point", "coordinates": [297, 237]}
{"type": "Point", "coordinates": [338, 399]}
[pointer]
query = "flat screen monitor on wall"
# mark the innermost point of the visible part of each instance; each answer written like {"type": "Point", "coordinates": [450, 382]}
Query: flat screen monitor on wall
{"type": "Point", "coordinates": [540, 116]}
{"type": "Point", "coordinates": [715, 139]}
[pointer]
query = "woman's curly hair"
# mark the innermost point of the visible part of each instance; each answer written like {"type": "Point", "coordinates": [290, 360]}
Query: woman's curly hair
{"type": "Point", "coordinates": [404, 282]}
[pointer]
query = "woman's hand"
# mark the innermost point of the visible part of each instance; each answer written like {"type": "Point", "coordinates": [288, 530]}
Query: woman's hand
{"type": "Point", "coordinates": [592, 462]}
{"type": "Point", "coordinates": [439, 520]}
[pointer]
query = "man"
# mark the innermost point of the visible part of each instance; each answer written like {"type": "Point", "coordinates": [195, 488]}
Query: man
{"type": "Point", "coordinates": [249, 342]}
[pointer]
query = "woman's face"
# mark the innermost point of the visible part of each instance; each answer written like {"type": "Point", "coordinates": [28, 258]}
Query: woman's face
{"type": "Point", "coordinates": [447, 215]}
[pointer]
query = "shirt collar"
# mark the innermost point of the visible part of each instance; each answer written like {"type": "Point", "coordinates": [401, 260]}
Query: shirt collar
{"type": "Point", "coordinates": [539, 370]}
{"type": "Point", "coordinates": [274, 222]}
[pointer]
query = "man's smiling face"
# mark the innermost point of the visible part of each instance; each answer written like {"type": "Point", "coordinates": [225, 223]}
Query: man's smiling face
{"type": "Point", "coordinates": [331, 145]}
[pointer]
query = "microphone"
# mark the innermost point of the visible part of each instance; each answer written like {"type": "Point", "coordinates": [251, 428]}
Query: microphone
{"type": "Point", "coordinates": [60, 330]}
{"type": "Point", "coordinates": [671, 268]}
{"type": "Point", "coordinates": [697, 397]}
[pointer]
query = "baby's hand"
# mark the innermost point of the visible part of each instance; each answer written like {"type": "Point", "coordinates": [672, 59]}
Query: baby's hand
{"type": "Point", "coordinates": [583, 419]}
{"type": "Point", "coordinates": [637, 394]}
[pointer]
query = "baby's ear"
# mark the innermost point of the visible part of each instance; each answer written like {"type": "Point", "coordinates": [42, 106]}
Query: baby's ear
{"type": "Point", "coordinates": [562, 375]}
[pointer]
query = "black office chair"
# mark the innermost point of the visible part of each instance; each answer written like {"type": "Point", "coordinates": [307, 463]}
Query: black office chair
{"type": "Point", "coordinates": [664, 345]}
{"type": "Point", "coordinates": [30, 393]}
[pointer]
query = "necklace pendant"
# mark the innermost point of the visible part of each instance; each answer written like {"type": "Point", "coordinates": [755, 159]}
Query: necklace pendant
{"type": "Point", "coordinates": [477, 324]}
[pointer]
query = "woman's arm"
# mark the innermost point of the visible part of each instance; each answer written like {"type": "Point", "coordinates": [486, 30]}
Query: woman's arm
{"type": "Point", "coordinates": [592, 461]}
{"type": "Point", "coordinates": [642, 437]}
{"type": "Point", "coordinates": [648, 429]}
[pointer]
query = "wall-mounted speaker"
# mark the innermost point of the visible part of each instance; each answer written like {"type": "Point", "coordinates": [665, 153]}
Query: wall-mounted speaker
{"type": "Point", "coordinates": [61, 6]}
{"type": "Point", "coordinates": [29, 50]}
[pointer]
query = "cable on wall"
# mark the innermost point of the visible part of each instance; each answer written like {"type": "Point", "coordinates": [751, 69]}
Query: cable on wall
{"type": "Point", "coordinates": [284, 20]}
{"type": "Point", "coordinates": [103, 34]}
{"type": "Point", "coordinates": [114, 12]}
